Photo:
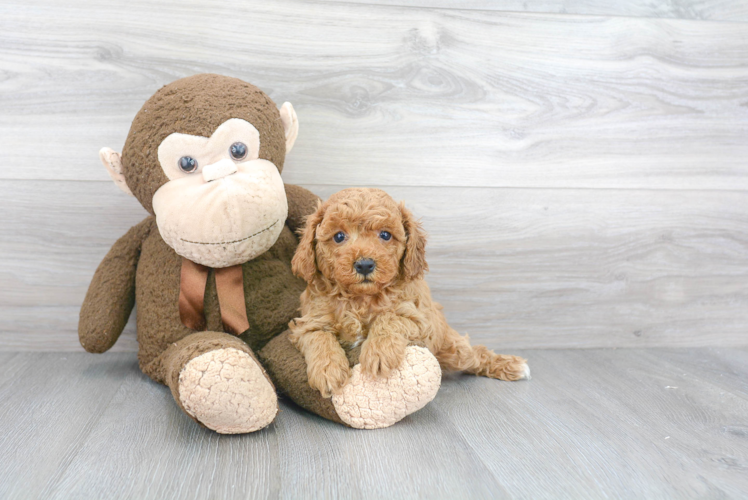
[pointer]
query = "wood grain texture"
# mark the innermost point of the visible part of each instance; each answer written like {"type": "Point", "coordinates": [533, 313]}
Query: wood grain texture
{"type": "Point", "coordinates": [626, 423]}
{"type": "Point", "coordinates": [582, 177]}
{"type": "Point", "coordinates": [514, 268]}
{"type": "Point", "coordinates": [158, 453]}
{"type": "Point", "coordinates": [629, 423]}
{"type": "Point", "coordinates": [714, 10]}
{"type": "Point", "coordinates": [389, 95]}
{"type": "Point", "coordinates": [50, 405]}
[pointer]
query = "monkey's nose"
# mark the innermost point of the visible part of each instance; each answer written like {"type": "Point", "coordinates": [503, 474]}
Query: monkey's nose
{"type": "Point", "coordinates": [364, 266]}
{"type": "Point", "coordinates": [219, 169]}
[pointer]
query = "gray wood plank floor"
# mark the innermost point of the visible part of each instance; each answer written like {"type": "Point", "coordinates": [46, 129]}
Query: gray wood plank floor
{"type": "Point", "coordinates": [627, 423]}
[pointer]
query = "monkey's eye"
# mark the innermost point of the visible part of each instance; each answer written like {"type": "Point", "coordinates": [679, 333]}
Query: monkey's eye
{"type": "Point", "coordinates": [238, 150]}
{"type": "Point", "coordinates": [187, 164]}
{"type": "Point", "coordinates": [339, 237]}
{"type": "Point", "coordinates": [385, 235]}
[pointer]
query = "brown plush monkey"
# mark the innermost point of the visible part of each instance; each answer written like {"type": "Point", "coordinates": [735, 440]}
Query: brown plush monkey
{"type": "Point", "coordinates": [210, 268]}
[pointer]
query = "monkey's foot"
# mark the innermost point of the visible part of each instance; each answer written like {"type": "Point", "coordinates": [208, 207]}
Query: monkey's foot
{"type": "Point", "coordinates": [227, 391]}
{"type": "Point", "coordinates": [373, 403]}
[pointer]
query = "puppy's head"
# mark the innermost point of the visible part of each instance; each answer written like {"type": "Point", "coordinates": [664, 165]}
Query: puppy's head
{"type": "Point", "coordinates": [361, 241]}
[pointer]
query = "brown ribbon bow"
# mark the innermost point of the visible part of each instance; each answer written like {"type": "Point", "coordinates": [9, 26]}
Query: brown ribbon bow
{"type": "Point", "coordinates": [230, 288]}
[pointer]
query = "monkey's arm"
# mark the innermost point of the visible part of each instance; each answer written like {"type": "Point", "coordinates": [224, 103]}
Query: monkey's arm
{"type": "Point", "coordinates": [301, 202]}
{"type": "Point", "coordinates": [111, 294]}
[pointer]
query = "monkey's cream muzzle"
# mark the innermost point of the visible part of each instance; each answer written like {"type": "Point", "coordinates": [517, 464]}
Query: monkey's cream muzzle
{"type": "Point", "coordinates": [225, 215]}
{"type": "Point", "coordinates": [219, 170]}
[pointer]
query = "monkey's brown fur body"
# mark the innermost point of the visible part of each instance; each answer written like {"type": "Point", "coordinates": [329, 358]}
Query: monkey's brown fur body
{"type": "Point", "coordinates": [164, 343]}
{"type": "Point", "coordinates": [141, 267]}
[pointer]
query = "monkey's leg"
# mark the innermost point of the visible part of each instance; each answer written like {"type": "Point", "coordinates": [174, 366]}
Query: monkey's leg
{"type": "Point", "coordinates": [365, 402]}
{"type": "Point", "coordinates": [216, 379]}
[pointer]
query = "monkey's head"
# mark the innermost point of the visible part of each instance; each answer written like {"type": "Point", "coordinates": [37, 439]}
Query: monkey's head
{"type": "Point", "coordinates": [204, 155]}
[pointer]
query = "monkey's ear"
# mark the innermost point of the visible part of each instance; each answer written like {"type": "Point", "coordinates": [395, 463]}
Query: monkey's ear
{"type": "Point", "coordinates": [290, 124]}
{"type": "Point", "coordinates": [304, 262]}
{"type": "Point", "coordinates": [113, 163]}
{"type": "Point", "coordinates": [414, 259]}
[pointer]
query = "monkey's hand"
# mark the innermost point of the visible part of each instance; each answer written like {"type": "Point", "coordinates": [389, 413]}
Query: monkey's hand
{"type": "Point", "coordinates": [111, 294]}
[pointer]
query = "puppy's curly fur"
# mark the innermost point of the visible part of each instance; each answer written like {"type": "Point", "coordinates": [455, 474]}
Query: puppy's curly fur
{"type": "Point", "coordinates": [388, 308]}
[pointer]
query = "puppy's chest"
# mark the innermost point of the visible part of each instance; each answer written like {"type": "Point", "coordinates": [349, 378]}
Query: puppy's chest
{"type": "Point", "coordinates": [352, 330]}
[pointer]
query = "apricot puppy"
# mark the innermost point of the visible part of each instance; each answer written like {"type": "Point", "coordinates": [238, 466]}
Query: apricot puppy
{"type": "Point", "coordinates": [363, 258]}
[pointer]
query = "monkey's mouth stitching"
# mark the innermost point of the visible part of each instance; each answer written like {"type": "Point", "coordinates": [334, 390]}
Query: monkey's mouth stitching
{"type": "Point", "coordinates": [230, 242]}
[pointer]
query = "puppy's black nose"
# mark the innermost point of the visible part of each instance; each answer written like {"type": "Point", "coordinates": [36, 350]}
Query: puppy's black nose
{"type": "Point", "coordinates": [364, 266]}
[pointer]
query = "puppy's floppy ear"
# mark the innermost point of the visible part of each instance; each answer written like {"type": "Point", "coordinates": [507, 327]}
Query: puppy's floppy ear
{"type": "Point", "coordinates": [414, 259]}
{"type": "Point", "coordinates": [304, 262]}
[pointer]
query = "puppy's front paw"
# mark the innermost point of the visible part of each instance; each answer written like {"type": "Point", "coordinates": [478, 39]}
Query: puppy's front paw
{"type": "Point", "coordinates": [380, 355]}
{"type": "Point", "coordinates": [330, 377]}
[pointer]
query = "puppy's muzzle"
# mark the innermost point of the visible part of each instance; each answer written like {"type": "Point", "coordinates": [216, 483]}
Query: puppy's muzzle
{"type": "Point", "coordinates": [365, 266]}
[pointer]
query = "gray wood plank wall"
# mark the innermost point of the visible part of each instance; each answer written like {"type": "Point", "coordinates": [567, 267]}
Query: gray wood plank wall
{"type": "Point", "coordinates": [582, 168]}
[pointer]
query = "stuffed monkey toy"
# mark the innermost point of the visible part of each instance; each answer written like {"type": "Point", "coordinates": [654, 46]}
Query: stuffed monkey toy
{"type": "Point", "coordinates": [210, 267]}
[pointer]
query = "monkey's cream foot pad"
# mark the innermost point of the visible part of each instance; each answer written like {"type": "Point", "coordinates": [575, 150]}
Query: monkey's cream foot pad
{"type": "Point", "coordinates": [373, 403]}
{"type": "Point", "coordinates": [227, 391]}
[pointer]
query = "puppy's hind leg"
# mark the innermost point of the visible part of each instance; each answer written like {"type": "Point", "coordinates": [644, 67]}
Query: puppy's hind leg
{"type": "Point", "coordinates": [457, 354]}
{"type": "Point", "coordinates": [501, 366]}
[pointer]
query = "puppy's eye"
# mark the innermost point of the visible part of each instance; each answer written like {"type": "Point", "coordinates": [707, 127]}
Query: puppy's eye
{"type": "Point", "coordinates": [339, 237]}
{"type": "Point", "coordinates": [385, 235]}
{"type": "Point", "coordinates": [187, 164]}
